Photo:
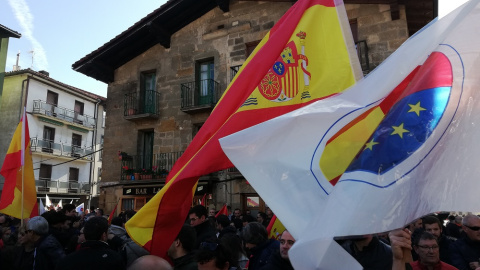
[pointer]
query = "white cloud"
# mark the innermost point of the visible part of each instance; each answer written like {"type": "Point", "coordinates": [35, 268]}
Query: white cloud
{"type": "Point", "coordinates": [25, 19]}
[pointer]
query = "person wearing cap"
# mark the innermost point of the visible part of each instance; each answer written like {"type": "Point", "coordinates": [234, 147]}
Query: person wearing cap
{"type": "Point", "coordinates": [48, 251]}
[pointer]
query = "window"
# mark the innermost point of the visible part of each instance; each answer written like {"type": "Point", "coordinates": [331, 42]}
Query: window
{"type": "Point", "coordinates": [104, 115]}
{"type": "Point", "coordinates": [251, 47]}
{"type": "Point", "coordinates": [100, 153]}
{"type": "Point", "coordinates": [48, 139]}
{"type": "Point", "coordinates": [147, 92]}
{"type": "Point", "coordinates": [196, 128]}
{"type": "Point", "coordinates": [145, 148]}
{"type": "Point", "coordinates": [78, 118]}
{"type": "Point", "coordinates": [127, 204]}
{"type": "Point", "coordinates": [139, 202]}
{"type": "Point", "coordinates": [205, 82]}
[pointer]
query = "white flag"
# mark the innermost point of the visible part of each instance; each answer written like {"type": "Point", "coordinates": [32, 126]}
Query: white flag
{"type": "Point", "coordinates": [400, 144]}
{"type": "Point", "coordinates": [48, 203]}
{"type": "Point", "coordinates": [41, 208]}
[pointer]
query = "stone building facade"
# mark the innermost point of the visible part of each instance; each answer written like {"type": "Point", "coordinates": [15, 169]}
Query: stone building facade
{"type": "Point", "coordinates": [150, 121]}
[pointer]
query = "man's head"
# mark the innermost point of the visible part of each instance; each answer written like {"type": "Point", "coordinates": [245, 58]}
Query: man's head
{"type": "Point", "coordinates": [471, 226]}
{"type": "Point", "coordinates": [222, 222]}
{"type": "Point", "coordinates": [458, 220]}
{"type": "Point", "coordinates": [432, 225]}
{"type": "Point", "coordinates": [99, 212]}
{"type": "Point", "coordinates": [213, 256]}
{"type": "Point", "coordinates": [70, 210]}
{"type": "Point", "coordinates": [254, 234]}
{"type": "Point", "coordinates": [426, 246]}
{"type": "Point", "coordinates": [96, 229]}
{"type": "Point", "coordinates": [117, 221]}
{"type": "Point", "coordinates": [269, 212]}
{"type": "Point", "coordinates": [286, 242]}
{"type": "Point", "coordinates": [197, 215]}
{"type": "Point", "coordinates": [248, 212]}
{"type": "Point", "coordinates": [211, 212]}
{"type": "Point", "coordinates": [237, 213]}
{"type": "Point", "coordinates": [184, 243]}
{"type": "Point", "coordinates": [417, 224]}
{"type": "Point", "coordinates": [150, 262]}
{"type": "Point", "coordinates": [261, 217]}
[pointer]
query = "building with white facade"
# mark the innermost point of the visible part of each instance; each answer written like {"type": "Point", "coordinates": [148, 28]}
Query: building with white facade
{"type": "Point", "coordinates": [66, 129]}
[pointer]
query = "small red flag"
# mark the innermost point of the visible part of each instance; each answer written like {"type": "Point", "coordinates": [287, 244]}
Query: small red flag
{"type": "Point", "coordinates": [223, 211]}
{"type": "Point", "coordinates": [110, 217]}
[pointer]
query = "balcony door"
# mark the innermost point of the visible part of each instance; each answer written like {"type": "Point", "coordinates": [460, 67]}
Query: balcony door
{"type": "Point", "coordinates": [146, 149]}
{"type": "Point", "coordinates": [206, 72]}
{"type": "Point", "coordinates": [148, 93]}
{"type": "Point", "coordinates": [76, 144]}
{"type": "Point", "coordinates": [48, 139]}
{"type": "Point", "coordinates": [45, 176]}
{"type": "Point", "coordinates": [52, 101]}
{"type": "Point", "coordinates": [78, 118]}
{"type": "Point", "coordinates": [73, 186]}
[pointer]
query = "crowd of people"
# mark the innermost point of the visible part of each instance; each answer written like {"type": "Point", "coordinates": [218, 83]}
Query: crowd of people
{"type": "Point", "coordinates": [65, 239]}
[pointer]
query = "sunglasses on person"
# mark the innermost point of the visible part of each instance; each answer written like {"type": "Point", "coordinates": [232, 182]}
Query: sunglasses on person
{"type": "Point", "coordinates": [474, 228]}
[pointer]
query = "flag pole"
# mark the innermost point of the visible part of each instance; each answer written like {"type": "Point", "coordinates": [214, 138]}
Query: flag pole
{"type": "Point", "coordinates": [22, 156]}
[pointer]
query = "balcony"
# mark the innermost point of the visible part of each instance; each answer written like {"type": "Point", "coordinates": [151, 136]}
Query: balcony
{"type": "Point", "coordinates": [362, 52]}
{"type": "Point", "coordinates": [59, 116]}
{"type": "Point", "coordinates": [233, 71]}
{"type": "Point", "coordinates": [200, 95]}
{"type": "Point", "coordinates": [141, 105]}
{"type": "Point", "coordinates": [51, 148]}
{"type": "Point", "coordinates": [55, 186]}
{"type": "Point", "coordinates": [162, 163]}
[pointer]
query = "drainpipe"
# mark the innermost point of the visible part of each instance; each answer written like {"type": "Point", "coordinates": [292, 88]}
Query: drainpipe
{"type": "Point", "coordinates": [22, 103]}
{"type": "Point", "coordinates": [94, 143]}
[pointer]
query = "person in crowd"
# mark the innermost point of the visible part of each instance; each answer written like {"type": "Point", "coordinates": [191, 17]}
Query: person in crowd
{"type": "Point", "coordinates": [369, 251]}
{"type": "Point", "coordinates": [119, 240]}
{"type": "Point", "coordinates": [94, 252]}
{"type": "Point", "coordinates": [417, 224]}
{"type": "Point", "coordinates": [91, 212]}
{"type": "Point", "coordinates": [224, 227]}
{"type": "Point", "coordinates": [465, 252]}
{"type": "Point", "coordinates": [181, 250]}
{"type": "Point", "coordinates": [427, 248]}
{"type": "Point", "coordinates": [212, 212]}
{"type": "Point", "coordinates": [213, 255]}
{"type": "Point", "coordinates": [233, 245]}
{"type": "Point", "coordinates": [69, 210]}
{"type": "Point", "coordinates": [150, 262]}
{"type": "Point", "coordinates": [198, 219]}
{"type": "Point", "coordinates": [99, 212]}
{"type": "Point", "coordinates": [19, 256]}
{"type": "Point", "coordinates": [259, 246]}
{"type": "Point", "coordinates": [401, 245]}
{"type": "Point", "coordinates": [280, 259]}
{"type": "Point", "coordinates": [237, 214]}
{"type": "Point", "coordinates": [269, 214]}
{"type": "Point", "coordinates": [48, 251]}
{"type": "Point", "coordinates": [454, 227]}
{"type": "Point", "coordinates": [433, 225]}
{"type": "Point", "coordinates": [59, 227]}
{"type": "Point", "coordinates": [262, 219]}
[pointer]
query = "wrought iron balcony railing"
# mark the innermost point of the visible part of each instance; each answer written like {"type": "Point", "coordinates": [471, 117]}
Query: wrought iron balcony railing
{"type": "Point", "coordinates": [57, 186]}
{"type": "Point", "coordinates": [156, 167]}
{"type": "Point", "coordinates": [61, 149]}
{"type": "Point", "coordinates": [142, 104]}
{"type": "Point", "coordinates": [362, 52]}
{"type": "Point", "coordinates": [200, 94]}
{"type": "Point", "coordinates": [233, 71]}
{"type": "Point", "coordinates": [63, 114]}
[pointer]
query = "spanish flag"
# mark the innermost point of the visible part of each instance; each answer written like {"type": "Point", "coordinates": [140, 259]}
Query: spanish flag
{"type": "Point", "coordinates": [275, 228]}
{"type": "Point", "coordinates": [19, 187]}
{"type": "Point", "coordinates": [223, 211]}
{"type": "Point", "coordinates": [307, 56]}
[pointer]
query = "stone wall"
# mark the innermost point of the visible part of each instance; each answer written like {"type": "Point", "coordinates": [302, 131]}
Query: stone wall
{"type": "Point", "coordinates": [375, 25]}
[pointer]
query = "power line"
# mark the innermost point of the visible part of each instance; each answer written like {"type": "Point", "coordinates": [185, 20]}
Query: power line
{"type": "Point", "coordinates": [69, 160]}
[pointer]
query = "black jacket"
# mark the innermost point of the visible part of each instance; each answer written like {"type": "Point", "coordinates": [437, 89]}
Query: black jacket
{"type": "Point", "coordinates": [376, 256]}
{"type": "Point", "coordinates": [261, 254]}
{"type": "Point", "coordinates": [463, 251]}
{"type": "Point", "coordinates": [48, 253]}
{"type": "Point", "coordinates": [92, 255]}
{"type": "Point", "coordinates": [204, 231]}
{"type": "Point", "coordinates": [186, 262]}
{"type": "Point", "coordinates": [276, 262]}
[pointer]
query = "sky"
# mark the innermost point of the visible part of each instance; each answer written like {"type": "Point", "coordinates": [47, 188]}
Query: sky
{"type": "Point", "coordinates": [61, 32]}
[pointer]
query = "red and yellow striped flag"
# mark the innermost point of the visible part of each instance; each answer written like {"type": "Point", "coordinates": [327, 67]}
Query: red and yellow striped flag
{"type": "Point", "coordinates": [18, 171]}
{"type": "Point", "coordinates": [308, 55]}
